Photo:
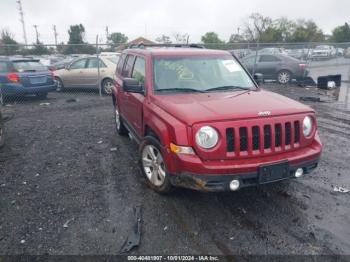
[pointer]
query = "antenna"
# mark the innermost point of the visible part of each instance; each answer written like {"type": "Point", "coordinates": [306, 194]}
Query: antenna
{"type": "Point", "coordinates": [55, 33]}
{"type": "Point", "coordinates": [36, 33]}
{"type": "Point", "coordinates": [22, 21]}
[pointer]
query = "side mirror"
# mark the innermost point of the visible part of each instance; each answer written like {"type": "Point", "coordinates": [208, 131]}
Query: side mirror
{"type": "Point", "coordinates": [67, 67]}
{"type": "Point", "coordinates": [133, 86]}
{"type": "Point", "coordinates": [259, 78]}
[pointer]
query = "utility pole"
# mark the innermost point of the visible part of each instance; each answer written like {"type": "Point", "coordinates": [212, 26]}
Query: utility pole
{"type": "Point", "coordinates": [22, 21]}
{"type": "Point", "coordinates": [36, 33]}
{"type": "Point", "coordinates": [55, 33]}
{"type": "Point", "coordinates": [107, 34]}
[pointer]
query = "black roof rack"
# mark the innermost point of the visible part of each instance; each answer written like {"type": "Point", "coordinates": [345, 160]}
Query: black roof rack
{"type": "Point", "coordinates": [143, 46]}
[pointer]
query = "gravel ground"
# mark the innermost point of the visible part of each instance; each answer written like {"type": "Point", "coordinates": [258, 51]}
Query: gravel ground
{"type": "Point", "coordinates": [64, 191]}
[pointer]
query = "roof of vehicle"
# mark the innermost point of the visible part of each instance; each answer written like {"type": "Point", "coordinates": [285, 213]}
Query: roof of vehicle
{"type": "Point", "coordinates": [175, 51]}
{"type": "Point", "coordinates": [282, 56]}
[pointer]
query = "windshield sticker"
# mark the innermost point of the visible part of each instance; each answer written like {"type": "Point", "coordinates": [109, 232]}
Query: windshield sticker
{"type": "Point", "coordinates": [231, 66]}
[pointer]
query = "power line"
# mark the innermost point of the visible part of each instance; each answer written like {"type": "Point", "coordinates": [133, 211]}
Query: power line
{"type": "Point", "coordinates": [22, 21]}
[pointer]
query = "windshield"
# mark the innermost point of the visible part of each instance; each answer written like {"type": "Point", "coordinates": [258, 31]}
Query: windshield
{"type": "Point", "coordinates": [25, 66]}
{"type": "Point", "coordinates": [192, 73]}
{"type": "Point", "coordinates": [113, 59]}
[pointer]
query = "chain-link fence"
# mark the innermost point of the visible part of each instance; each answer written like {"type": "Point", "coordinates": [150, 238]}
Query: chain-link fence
{"type": "Point", "coordinates": [74, 69]}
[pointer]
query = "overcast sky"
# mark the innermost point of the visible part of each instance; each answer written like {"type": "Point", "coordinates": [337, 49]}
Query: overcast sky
{"type": "Point", "coordinates": [152, 18]}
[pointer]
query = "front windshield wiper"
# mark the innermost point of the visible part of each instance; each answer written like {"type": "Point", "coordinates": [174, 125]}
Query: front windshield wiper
{"type": "Point", "coordinates": [219, 88]}
{"type": "Point", "coordinates": [180, 90]}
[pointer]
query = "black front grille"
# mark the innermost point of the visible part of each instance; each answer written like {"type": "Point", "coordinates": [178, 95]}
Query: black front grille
{"type": "Point", "coordinates": [296, 132]}
{"type": "Point", "coordinates": [256, 138]}
{"type": "Point", "coordinates": [243, 139]}
{"type": "Point", "coordinates": [278, 135]}
{"type": "Point", "coordinates": [230, 140]}
{"type": "Point", "coordinates": [288, 133]}
{"type": "Point", "coordinates": [267, 136]}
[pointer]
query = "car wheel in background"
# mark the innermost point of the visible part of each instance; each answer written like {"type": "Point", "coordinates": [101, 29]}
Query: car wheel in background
{"type": "Point", "coordinates": [59, 84]}
{"type": "Point", "coordinates": [153, 167]}
{"type": "Point", "coordinates": [107, 86]}
{"type": "Point", "coordinates": [42, 95]}
{"type": "Point", "coordinates": [118, 121]}
{"type": "Point", "coordinates": [2, 133]}
{"type": "Point", "coordinates": [284, 77]}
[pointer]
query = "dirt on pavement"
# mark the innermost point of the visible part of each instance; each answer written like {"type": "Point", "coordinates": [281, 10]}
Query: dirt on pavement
{"type": "Point", "coordinates": [69, 183]}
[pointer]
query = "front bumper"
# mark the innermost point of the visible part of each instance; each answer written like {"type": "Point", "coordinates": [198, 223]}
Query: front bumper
{"type": "Point", "coordinates": [219, 182]}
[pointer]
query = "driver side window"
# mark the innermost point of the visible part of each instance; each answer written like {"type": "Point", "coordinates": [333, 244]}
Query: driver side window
{"type": "Point", "coordinates": [80, 64]}
{"type": "Point", "coordinates": [139, 71]}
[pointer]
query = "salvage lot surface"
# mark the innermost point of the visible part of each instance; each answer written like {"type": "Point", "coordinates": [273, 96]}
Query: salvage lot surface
{"type": "Point", "coordinates": [64, 191]}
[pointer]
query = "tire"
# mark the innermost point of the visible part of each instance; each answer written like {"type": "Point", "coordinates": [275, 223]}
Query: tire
{"type": "Point", "coordinates": [42, 95]}
{"type": "Point", "coordinates": [2, 98]}
{"type": "Point", "coordinates": [118, 121]}
{"type": "Point", "coordinates": [59, 83]}
{"type": "Point", "coordinates": [153, 167]}
{"type": "Point", "coordinates": [284, 77]}
{"type": "Point", "coordinates": [107, 85]}
{"type": "Point", "coordinates": [2, 133]}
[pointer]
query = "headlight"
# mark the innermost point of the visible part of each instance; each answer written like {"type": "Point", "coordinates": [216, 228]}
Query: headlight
{"type": "Point", "coordinates": [307, 126]}
{"type": "Point", "coordinates": [207, 137]}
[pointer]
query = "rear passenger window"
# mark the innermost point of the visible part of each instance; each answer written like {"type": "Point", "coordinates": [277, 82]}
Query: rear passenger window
{"type": "Point", "coordinates": [269, 58]}
{"type": "Point", "coordinates": [128, 66]}
{"type": "Point", "coordinates": [121, 64]}
{"type": "Point", "coordinates": [3, 67]}
{"type": "Point", "coordinates": [139, 71]}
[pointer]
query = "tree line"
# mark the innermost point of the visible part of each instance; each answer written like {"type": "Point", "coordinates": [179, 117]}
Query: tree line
{"type": "Point", "coordinates": [257, 28]}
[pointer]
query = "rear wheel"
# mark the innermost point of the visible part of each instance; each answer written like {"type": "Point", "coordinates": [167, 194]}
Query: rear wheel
{"type": "Point", "coordinates": [59, 84]}
{"type": "Point", "coordinates": [284, 77]}
{"type": "Point", "coordinates": [153, 167]}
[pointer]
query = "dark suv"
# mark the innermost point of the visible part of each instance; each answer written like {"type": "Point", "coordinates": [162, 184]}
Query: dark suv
{"type": "Point", "coordinates": [23, 76]}
{"type": "Point", "coordinates": [203, 123]}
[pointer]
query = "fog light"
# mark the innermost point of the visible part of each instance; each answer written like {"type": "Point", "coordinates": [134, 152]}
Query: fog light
{"type": "Point", "coordinates": [299, 172]}
{"type": "Point", "coordinates": [234, 185]}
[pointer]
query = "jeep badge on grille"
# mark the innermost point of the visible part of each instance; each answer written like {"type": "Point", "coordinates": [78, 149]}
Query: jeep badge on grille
{"type": "Point", "coordinates": [264, 113]}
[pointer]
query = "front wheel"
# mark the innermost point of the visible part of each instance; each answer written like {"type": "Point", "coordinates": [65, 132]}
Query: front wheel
{"type": "Point", "coordinates": [107, 86]}
{"type": "Point", "coordinates": [118, 121]}
{"type": "Point", "coordinates": [153, 166]}
{"type": "Point", "coordinates": [284, 77]}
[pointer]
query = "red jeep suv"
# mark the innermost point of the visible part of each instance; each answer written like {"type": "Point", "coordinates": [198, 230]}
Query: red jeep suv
{"type": "Point", "coordinates": [203, 123]}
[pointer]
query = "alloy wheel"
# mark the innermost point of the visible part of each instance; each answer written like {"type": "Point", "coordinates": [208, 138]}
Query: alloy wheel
{"type": "Point", "coordinates": [153, 165]}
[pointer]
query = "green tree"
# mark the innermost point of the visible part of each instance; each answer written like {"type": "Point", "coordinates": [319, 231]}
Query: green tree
{"type": "Point", "coordinates": [117, 38]}
{"type": "Point", "coordinates": [40, 49]}
{"type": "Point", "coordinates": [9, 44]}
{"type": "Point", "coordinates": [164, 39]}
{"type": "Point", "coordinates": [76, 44]}
{"type": "Point", "coordinates": [306, 31]}
{"type": "Point", "coordinates": [211, 38]}
{"type": "Point", "coordinates": [341, 33]}
{"type": "Point", "coordinates": [255, 26]}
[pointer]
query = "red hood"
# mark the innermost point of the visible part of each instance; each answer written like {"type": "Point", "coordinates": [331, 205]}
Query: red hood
{"type": "Point", "coordinates": [192, 108]}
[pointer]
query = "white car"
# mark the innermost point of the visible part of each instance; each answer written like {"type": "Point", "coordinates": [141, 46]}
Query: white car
{"type": "Point", "coordinates": [323, 52]}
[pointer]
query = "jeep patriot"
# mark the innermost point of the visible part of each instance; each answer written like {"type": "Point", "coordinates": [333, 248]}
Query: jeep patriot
{"type": "Point", "coordinates": [202, 122]}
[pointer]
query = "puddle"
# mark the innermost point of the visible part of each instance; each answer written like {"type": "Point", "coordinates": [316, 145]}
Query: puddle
{"type": "Point", "coordinates": [343, 95]}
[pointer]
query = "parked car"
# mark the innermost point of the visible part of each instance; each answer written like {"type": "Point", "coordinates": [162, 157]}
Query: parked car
{"type": "Point", "coordinates": [300, 54]}
{"type": "Point", "coordinates": [203, 123]}
{"type": "Point", "coordinates": [323, 52]}
{"type": "Point", "coordinates": [276, 67]}
{"type": "Point", "coordinates": [2, 131]}
{"type": "Point", "coordinates": [24, 76]}
{"type": "Point", "coordinates": [347, 53]}
{"type": "Point", "coordinates": [273, 51]}
{"type": "Point", "coordinates": [83, 73]}
{"type": "Point", "coordinates": [240, 53]}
